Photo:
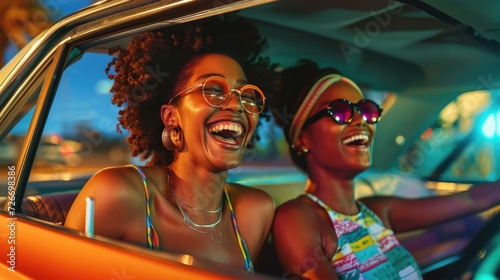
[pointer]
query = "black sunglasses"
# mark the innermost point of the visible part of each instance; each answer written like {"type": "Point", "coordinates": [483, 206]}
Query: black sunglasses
{"type": "Point", "coordinates": [342, 112]}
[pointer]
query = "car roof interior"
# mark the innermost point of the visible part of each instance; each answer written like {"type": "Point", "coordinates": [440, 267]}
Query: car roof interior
{"type": "Point", "coordinates": [426, 52]}
{"type": "Point", "coordinates": [386, 44]}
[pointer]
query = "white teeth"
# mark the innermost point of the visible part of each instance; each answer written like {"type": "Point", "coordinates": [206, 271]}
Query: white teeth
{"type": "Point", "coordinates": [237, 128]}
{"type": "Point", "coordinates": [360, 137]}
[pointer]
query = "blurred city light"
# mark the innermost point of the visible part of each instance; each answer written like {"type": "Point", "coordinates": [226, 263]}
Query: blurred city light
{"type": "Point", "coordinates": [491, 126]}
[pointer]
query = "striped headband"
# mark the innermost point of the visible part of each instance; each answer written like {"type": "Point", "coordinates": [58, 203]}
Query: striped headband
{"type": "Point", "coordinates": [310, 100]}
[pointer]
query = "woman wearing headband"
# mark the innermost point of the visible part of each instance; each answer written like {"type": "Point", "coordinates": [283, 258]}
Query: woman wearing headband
{"type": "Point", "coordinates": [326, 233]}
{"type": "Point", "coordinates": [190, 110]}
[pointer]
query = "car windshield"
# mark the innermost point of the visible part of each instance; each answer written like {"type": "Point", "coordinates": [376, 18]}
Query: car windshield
{"type": "Point", "coordinates": [460, 143]}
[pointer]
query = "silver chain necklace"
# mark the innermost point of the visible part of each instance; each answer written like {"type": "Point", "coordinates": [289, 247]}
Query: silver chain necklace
{"type": "Point", "coordinates": [215, 235]}
{"type": "Point", "coordinates": [197, 209]}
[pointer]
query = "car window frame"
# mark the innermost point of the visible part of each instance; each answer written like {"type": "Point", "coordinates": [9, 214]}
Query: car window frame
{"type": "Point", "coordinates": [33, 135]}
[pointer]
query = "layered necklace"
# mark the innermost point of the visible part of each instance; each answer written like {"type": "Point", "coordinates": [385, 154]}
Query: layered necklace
{"type": "Point", "coordinates": [211, 229]}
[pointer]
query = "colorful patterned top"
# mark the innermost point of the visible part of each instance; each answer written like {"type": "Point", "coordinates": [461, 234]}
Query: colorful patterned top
{"type": "Point", "coordinates": [153, 242]}
{"type": "Point", "coordinates": [366, 249]}
{"type": "Point", "coordinates": [241, 241]}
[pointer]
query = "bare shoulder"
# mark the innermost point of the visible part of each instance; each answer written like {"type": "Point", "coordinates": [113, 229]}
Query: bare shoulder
{"type": "Point", "coordinates": [116, 192]}
{"type": "Point", "coordinates": [301, 233]}
{"type": "Point", "coordinates": [251, 199]}
{"type": "Point", "coordinates": [248, 195]}
{"type": "Point", "coordinates": [381, 204]}
{"type": "Point", "coordinates": [385, 206]}
{"type": "Point", "coordinates": [299, 218]}
{"type": "Point", "coordinates": [296, 210]}
{"type": "Point", "coordinates": [254, 210]}
{"type": "Point", "coordinates": [120, 181]}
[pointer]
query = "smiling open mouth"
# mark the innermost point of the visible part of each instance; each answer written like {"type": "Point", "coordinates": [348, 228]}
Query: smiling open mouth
{"type": "Point", "coordinates": [357, 140]}
{"type": "Point", "coordinates": [227, 132]}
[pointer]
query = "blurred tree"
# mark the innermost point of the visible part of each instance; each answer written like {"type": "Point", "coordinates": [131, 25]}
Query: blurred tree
{"type": "Point", "coordinates": [20, 21]}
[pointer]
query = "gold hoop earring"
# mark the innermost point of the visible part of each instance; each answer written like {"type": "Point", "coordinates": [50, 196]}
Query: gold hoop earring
{"type": "Point", "coordinates": [300, 151]}
{"type": "Point", "coordinates": [171, 137]}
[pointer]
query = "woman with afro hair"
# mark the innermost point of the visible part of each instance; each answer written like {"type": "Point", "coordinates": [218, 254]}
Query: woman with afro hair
{"type": "Point", "coordinates": [191, 110]}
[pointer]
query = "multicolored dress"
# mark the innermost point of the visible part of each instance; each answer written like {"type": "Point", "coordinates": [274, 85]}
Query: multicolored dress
{"type": "Point", "coordinates": [366, 249]}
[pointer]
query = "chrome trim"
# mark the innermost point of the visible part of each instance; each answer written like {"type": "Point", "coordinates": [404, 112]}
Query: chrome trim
{"type": "Point", "coordinates": [8, 112]}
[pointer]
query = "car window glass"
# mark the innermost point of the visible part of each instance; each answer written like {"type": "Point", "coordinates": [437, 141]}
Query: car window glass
{"type": "Point", "coordinates": [459, 146]}
{"type": "Point", "coordinates": [80, 134]}
{"type": "Point", "coordinates": [10, 148]}
{"type": "Point", "coordinates": [11, 144]}
{"type": "Point", "coordinates": [480, 159]}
